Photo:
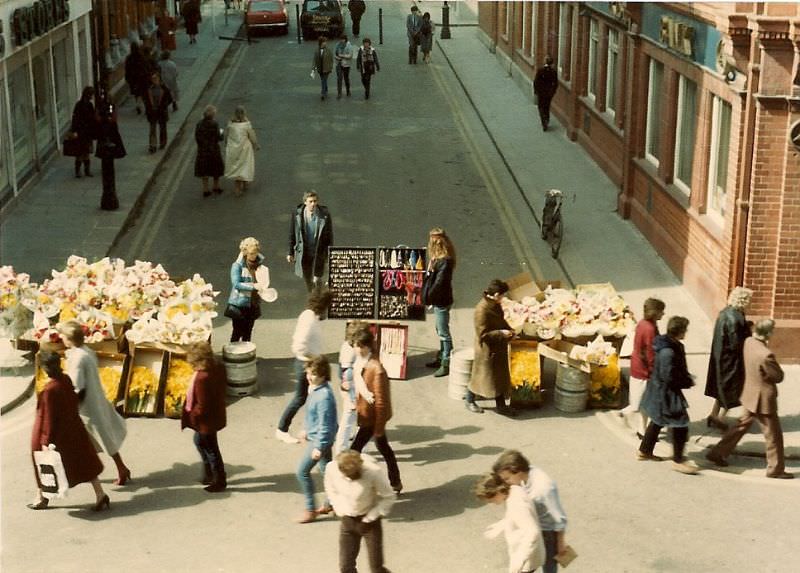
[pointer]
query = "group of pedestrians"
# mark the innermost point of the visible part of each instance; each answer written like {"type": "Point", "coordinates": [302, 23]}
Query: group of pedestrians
{"type": "Point", "coordinates": [419, 31]}
{"type": "Point", "coordinates": [741, 371]}
{"type": "Point", "coordinates": [324, 59]}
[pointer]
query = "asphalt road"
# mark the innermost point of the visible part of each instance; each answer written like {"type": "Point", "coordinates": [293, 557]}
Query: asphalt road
{"type": "Point", "coordinates": [410, 158]}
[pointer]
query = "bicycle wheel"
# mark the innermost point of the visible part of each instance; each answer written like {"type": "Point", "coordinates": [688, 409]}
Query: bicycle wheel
{"type": "Point", "coordinates": [556, 235]}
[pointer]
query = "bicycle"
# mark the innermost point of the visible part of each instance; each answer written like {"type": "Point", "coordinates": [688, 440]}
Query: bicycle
{"type": "Point", "coordinates": [552, 223]}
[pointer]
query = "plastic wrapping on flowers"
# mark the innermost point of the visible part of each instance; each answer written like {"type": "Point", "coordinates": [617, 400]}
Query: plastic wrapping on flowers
{"type": "Point", "coordinates": [178, 380]}
{"type": "Point", "coordinates": [15, 318]}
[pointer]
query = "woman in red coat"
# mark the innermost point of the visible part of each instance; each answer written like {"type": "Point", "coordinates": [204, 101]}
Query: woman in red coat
{"type": "Point", "coordinates": [58, 423]}
{"type": "Point", "coordinates": [204, 412]}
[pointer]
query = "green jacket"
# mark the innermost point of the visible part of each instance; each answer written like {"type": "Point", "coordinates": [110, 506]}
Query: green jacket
{"type": "Point", "coordinates": [323, 60]}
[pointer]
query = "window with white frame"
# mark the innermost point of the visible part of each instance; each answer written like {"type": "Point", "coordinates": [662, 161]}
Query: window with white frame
{"type": "Point", "coordinates": [507, 6]}
{"type": "Point", "coordinates": [654, 97]}
{"type": "Point", "coordinates": [526, 10]}
{"type": "Point", "coordinates": [612, 71]}
{"type": "Point", "coordinates": [684, 135]}
{"type": "Point", "coordinates": [718, 156]}
{"type": "Point", "coordinates": [564, 39]}
{"type": "Point", "coordinates": [594, 44]}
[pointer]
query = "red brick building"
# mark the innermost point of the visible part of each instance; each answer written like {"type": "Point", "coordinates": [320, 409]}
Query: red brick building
{"type": "Point", "coordinates": [693, 109]}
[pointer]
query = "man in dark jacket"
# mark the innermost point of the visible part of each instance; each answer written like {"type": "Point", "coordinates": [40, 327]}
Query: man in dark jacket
{"type": "Point", "coordinates": [357, 9]}
{"type": "Point", "coordinates": [413, 28]}
{"type": "Point", "coordinates": [156, 102]}
{"type": "Point", "coordinates": [545, 85]}
{"type": "Point", "coordinates": [310, 235]}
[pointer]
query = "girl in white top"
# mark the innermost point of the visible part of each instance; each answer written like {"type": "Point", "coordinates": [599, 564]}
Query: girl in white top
{"type": "Point", "coordinates": [519, 525]}
{"type": "Point", "coordinates": [240, 143]}
{"type": "Point", "coordinates": [104, 420]}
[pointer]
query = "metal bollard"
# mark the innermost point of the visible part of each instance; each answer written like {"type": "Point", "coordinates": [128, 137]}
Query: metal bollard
{"type": "Point", "coordinates": [445, 22]}
{"type": "Point", "coordinates": [380, 26]}
{"type": "Point", "coordinates": [297, 19]}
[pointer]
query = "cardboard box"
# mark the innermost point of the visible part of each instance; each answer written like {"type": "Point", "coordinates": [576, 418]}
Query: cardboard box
{"type": "Point", "coordinates": [605, 390]}
{"type": "Point", "coordinates": [559, 351]}
{"type": "Point", "coordinates": [524, 284]}
{"type": "Point", "coordinates": [170, 409]}
{"type": "Point", "coordinates": [119, 362]}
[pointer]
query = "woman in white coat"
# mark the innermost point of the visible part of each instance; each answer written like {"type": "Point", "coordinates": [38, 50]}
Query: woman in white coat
{"type": "Point", "coordinates": [240, 144]}
{"type": "Point", "coordinates": [104, 421]}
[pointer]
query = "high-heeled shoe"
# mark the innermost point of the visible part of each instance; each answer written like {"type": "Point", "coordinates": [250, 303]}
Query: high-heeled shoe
{"type": "Point", "coordinates": [123, 479]}
{"type": "Point", "coordinates": [41, 504]}
{"type": "Point", "coordinates": [104, 503]}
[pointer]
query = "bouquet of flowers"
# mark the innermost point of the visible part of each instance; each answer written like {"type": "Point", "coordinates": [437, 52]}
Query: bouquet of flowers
{"type": "Point", "coordinates": [142, 391]}
{"type": "Point", "coordinates": [14, 288]}
{"type": "Point", "coordinates": [110, 377]}
{"type": "Point", "coordinates": [178, 380]}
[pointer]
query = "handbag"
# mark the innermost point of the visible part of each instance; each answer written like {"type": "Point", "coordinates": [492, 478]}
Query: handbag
{"type": "Point", "coordinates": [50, 469]}
{"type": "Point", "coordinates": [71, 146]}
{"type": "Point", "coordinates": [234, 312]}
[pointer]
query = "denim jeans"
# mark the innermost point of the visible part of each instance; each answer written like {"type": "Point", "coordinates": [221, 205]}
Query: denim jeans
{"type": "Point", "coordinates": [208, 446]}
{"type": "Point", "coordinates": [342, 74]}
{"type": "Point", "coordinates": [441, 315]}
{"type": "Point", "coordinates": [323, 78]}
{"type": "Point", "coordinates": [550, 551]}
{"type": "Point", "coordinates": [349, 416]}
{"type": "Point", "coordinates": [307, 463]}
{"type": "Point", "coordinates": [299, 398]}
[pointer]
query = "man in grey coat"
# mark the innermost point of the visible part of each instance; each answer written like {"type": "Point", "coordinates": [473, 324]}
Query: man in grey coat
{"type": "Point", "coordinates": [310, 235]}
{"type": "Point", "coordinates": [413, 28]}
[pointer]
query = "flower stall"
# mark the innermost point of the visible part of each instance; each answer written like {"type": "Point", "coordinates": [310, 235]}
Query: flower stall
{"type": "Point", "coordinates": [138, 319]}
{"type": "Point", "coordinates": [592, 319]}
{"type": "Point", "coordinates": [526, 378]}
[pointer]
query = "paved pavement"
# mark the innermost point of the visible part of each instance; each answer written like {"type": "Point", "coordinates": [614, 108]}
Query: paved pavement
{"type": "Point", "coordinates": [599, 246]}
{"type": "Point", "coordinates": [617, 506]}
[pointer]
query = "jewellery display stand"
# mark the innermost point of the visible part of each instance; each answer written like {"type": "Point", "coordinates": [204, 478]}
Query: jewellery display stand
{"type": "Point", "coordinates": [402, 274]}
{"type": "Point", "coordinates": [352, 282]}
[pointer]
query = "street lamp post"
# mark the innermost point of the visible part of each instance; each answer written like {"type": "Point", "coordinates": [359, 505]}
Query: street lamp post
{"type": "Point", "coordinates": [445, 22]}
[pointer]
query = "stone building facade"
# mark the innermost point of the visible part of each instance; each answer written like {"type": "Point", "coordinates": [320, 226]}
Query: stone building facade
{"type": "Point", "coordinates": [693, 109]}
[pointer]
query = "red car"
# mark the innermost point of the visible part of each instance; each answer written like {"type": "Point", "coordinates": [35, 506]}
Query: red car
{"type": "Point", "coordinates": [266, 15]}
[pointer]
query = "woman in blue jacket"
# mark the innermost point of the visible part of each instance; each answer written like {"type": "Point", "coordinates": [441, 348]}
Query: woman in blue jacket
{"type": "Point", "coordinates": [243, 303]}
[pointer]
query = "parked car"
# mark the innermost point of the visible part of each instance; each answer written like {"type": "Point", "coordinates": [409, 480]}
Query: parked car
{"type": "Point", "coordinates": [266, 15]}
{"type": "Point", "coordinates": [322, 17]}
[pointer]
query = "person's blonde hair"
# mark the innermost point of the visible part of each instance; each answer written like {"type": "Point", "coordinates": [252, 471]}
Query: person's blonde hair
{"type": "Point", "coordinates": [352, 329]}
{"type": "Point", "coordinates": [350, 463]}
{"type": "Point", "coordinates": [440, 246]}
{"type": "Point", "coordinates": [239, 114]}
{"type": "Point", "coordinates": [248, 245]}
{"type": "Point", "coordinates": [72, 331]}
{"type": "Point", "coordinates": [740, 297]}
{"type": "Point", "coordinates": [489, 486]}
{"type": "Point", "coordinates": [200, 356]}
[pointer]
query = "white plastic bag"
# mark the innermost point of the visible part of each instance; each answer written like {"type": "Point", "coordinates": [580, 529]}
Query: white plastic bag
{"type": "Point", "coordinates": [51, 472]}
{"type": "Point", "coordinates": [313, 73]}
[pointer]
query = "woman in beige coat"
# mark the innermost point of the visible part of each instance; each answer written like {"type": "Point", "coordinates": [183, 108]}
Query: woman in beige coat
{"type": "Point", "coordinates": [490, 374]}
{"type": "Point", "coordinates": [240, 144]}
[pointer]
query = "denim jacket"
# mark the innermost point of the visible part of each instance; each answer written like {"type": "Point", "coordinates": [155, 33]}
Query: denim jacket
{"type": "Point", "coordinates": [242, 282]}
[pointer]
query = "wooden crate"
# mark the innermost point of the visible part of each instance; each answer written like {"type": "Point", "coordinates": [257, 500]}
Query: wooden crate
{"type": "Point", "coordinates": [154, 360]}
{"type": "Point", "coordinates": [119, 362]}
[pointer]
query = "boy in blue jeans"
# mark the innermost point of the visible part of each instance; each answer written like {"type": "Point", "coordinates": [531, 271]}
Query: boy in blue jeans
{"type": "Point", "coordinates": [320, 432]}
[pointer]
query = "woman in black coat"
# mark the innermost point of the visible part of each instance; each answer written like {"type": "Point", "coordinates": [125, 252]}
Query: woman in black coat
{"type": "Point", "coordinates": [208, 162]}
{"type": "Point", "coordinates": [136, 75]}
{"type": "Point", "coordinates": [663, 399]}
{"type": "Point", "coordinates": [109, 148]}
{"type": "Point", "coordinates": [83, 130]}
{"type": "Point", "coordinates": [438, 293]}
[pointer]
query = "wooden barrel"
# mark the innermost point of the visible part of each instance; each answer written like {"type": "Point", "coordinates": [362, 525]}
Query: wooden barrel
{"type": "Point", "coordinates": [572, 388]}
{"type": "Point", "coordinates": [240, 367]}
{"type": "Point", "coordinates": [460, 373]}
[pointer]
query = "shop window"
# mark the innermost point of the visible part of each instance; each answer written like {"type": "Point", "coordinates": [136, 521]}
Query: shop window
{"type": "Point", "coordinates": [64, 85]}
{"type": "Point", "coordinates": [718, 156]}
{"type": "Point", "coordinates": [507, 25]}
{"type": "Point", "coordinates": [5, 174]}
{"type": "Point", "coordinates": [612, 71]}
{"type": "Point", "coordinates": [528, 27]}
{"type": "Point", "coordinates": [565, 40]}
{"type": "Point", "coordinates": [594, 45]}
{"type": "Point", "coordinates": [654, 97]}
{"type": "Point", "coordinates": [43, 105]}
{"type": "Point", "coordinates": [21, 128]}
{"type": "Point", "coordinates": [684, 135]}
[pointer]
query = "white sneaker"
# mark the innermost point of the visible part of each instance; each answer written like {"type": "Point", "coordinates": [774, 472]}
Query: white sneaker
{"type": "Point", "coordinates": [286, 437]}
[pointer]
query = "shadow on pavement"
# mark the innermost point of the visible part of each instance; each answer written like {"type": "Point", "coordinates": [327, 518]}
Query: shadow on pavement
{"type": "Point", "coordinates": [406, 434]}
{"type": "Point", "coordinates": [433, 503]}
{"type": "Point", "coordinates": [267, 483]}
{"type": "Point", "coordinates": [443, 452]}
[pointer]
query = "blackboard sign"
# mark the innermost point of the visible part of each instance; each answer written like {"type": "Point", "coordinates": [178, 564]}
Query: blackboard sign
{"type": "Point", "coordinates": [352, 282]}
{"type": "Point", "coordinates": [402, 273]}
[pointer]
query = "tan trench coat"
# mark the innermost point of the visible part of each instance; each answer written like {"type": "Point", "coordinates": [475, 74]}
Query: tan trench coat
{"type": "Point", "coordinates": [490, 375]}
